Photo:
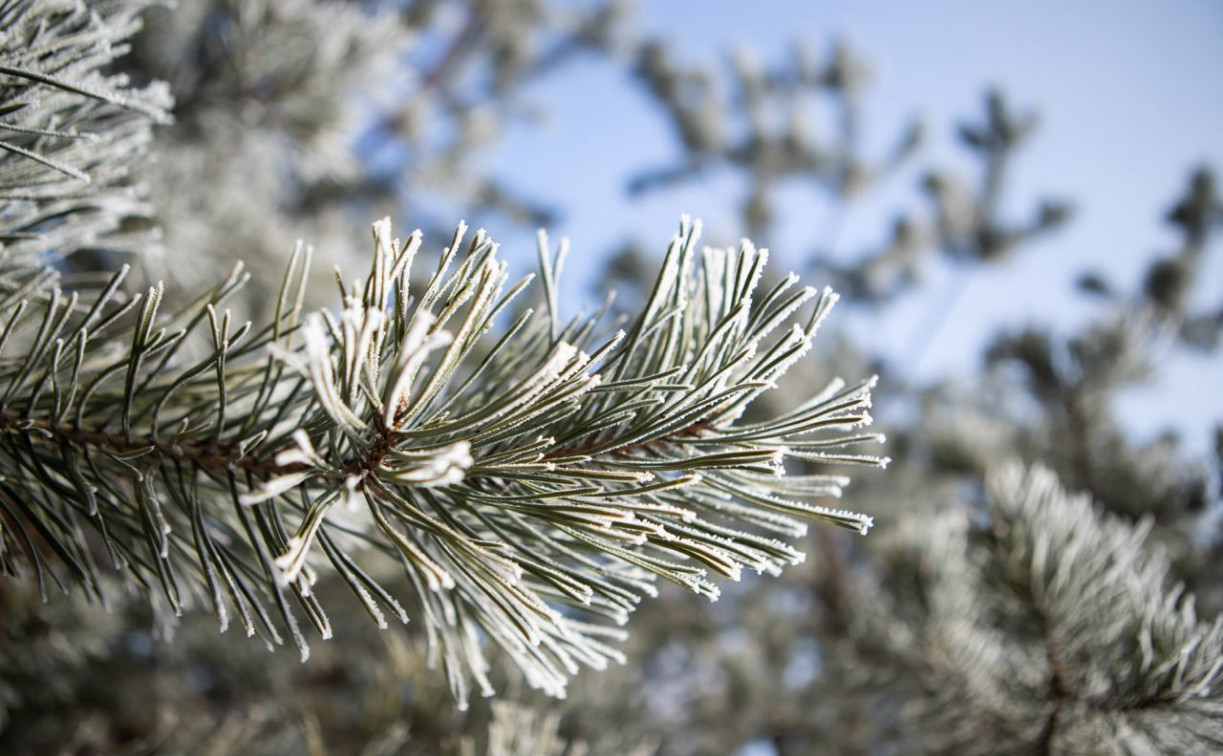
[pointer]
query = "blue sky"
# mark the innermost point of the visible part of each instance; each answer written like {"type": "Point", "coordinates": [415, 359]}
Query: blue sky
{"type": "Point", "coordinates": [1130, 97]}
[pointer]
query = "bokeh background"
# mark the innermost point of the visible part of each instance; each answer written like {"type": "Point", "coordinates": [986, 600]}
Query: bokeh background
{"type": "Point", "coordinates": [1128, 99]}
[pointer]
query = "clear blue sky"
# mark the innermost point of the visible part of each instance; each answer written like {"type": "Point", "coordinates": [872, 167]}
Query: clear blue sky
{"type": "Point", "coordinates": [1130, 95]}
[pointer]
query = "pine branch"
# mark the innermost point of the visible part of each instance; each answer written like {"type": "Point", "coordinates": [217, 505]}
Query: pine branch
{"type": "Point", "coordinates": [1056, 630]}
{"type": "Point", "coordinates": [71, 134]}
{"type": "Point", "coordinates": [532, 487]}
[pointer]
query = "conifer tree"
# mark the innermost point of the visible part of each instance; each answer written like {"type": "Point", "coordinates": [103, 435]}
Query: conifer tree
{"type": "Point", "coordinates": [437, 445]}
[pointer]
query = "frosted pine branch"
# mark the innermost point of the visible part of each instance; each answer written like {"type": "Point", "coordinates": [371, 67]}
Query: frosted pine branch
{"type": "Point", "coordinates": [1054, 628]}
{"type": "Point", "coordinates": [71, 135]}
{"type": "Point", "coordinates": [533, 479]}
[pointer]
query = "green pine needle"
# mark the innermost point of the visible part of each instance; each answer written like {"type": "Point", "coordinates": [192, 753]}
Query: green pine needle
{"type": "Point", "coordinates": [531, 484]}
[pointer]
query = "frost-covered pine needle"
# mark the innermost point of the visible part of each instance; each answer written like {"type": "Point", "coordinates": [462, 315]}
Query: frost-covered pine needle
{"type": "Point", "coordinates": [532, 477]}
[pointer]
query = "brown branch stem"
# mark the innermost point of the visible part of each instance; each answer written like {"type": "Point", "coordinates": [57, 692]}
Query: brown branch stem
{"type": "Point", "coordinates": [208, 454]}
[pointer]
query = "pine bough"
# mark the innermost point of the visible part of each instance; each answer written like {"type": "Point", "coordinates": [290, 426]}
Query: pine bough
{"type": "Point", "coordinates": [71, 133]}
{"type": "Point", "coordinates": [1056, 628]}
{"type": "Point", "coordinates": [533, 485]}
